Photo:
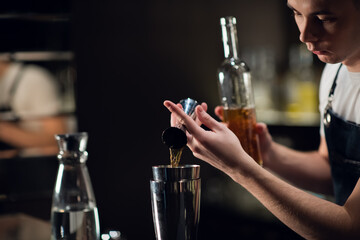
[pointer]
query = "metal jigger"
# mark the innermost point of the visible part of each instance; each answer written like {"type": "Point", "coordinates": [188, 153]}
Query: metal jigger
{"type": "Point", "coordinates": [175, 137]}
{"type": "Point", "coordinates": [175, 200]}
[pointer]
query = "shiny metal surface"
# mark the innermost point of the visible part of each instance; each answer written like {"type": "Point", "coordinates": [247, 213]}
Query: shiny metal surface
{"type": "Point", "coordinates": [175, 199]}
{"type": "Point", "coordinates": [175, 137]}
{"type": "Point", "coordinates": [189, 106]}
{"type": "Point", "coordinates": [182, 172]}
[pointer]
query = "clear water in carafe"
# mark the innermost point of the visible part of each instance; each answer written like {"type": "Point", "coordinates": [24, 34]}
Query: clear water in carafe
{"type": "Point", "coordinates": [75, 225]}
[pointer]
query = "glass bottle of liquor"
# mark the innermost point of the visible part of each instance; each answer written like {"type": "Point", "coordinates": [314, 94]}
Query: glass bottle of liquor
{"type": "Point", "coordinates": [74, 214]}
{"type": "Point", "coordinates": [236, 93]}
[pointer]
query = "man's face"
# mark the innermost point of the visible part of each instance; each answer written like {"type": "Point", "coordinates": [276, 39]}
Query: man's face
{"type": "Point", "coordinates": [329, 28]}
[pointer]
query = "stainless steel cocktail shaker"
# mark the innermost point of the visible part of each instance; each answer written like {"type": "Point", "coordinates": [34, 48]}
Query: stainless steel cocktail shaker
{"type": "Point", "coordinates": [175, 198]}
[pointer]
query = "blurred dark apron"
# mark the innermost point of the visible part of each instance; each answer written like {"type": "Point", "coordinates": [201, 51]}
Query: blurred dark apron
{"type": "Point", "coordinates": [343, 142]}
{"type": "Point", "coordinates": [6, 109]}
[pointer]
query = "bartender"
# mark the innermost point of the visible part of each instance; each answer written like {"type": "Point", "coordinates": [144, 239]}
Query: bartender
{"type": "Point", "coordinates": [29, 111]}
{"type": "Point", "coordinates": [331, 30]}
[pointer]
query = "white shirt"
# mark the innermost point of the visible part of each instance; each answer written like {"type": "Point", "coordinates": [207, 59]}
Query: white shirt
{"type": "Point", "coordinates": [346, 101]}
{"type": "Point", "coordinates": [36, 94]}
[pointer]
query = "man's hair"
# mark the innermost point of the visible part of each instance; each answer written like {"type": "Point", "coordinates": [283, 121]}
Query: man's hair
{"type": "Point", "coordinates": [357, 4]}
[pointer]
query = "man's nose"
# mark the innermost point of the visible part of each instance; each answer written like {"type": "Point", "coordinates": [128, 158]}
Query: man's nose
{"type": "Point", "coordinates": [308, 32]}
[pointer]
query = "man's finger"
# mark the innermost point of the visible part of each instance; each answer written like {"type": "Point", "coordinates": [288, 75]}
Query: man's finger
{"type": "Point", "coordinates": [185, 119]}
{"type": "Point", "coordinates": [207, 120]}
{"type": "Point", "coordinates": [219, 112]}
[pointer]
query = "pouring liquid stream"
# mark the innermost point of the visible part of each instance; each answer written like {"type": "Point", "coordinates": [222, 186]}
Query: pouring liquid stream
{"type": "Point", "coordinates": [175, 156]}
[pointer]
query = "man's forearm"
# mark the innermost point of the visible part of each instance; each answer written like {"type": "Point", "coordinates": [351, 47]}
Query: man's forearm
{"type": "Point", "coordinates": [308, 170]}
{"type": "Point", "coordinates": [308, 215]}
{"type": "Point", "coordinates": [16, 136]}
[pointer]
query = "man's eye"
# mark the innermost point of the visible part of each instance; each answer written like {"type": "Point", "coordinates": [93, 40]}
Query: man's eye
{"type": "Point", "coordinates": [326, 19]}
{"type": "Point", "coordinates": [295, 13]}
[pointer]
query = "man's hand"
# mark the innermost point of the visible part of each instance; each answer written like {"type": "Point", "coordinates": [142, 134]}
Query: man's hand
{"type": "Point", "coordinates": [265, 139]}
{"type": "Point", "coordinates": [219, 147]}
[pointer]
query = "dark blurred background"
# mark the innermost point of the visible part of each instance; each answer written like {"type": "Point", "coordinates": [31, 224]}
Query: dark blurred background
{"type": "Point", "coordinates": [129, 57]}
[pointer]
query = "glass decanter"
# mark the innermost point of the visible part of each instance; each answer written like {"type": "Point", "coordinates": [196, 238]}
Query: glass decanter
{"type": "Point", "coordinates": [74, 215]}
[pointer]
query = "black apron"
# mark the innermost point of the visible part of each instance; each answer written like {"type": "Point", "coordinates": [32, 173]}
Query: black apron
{"type": "Point", "coordinates": [343, 142]}
{"type": "Point", "coordinates": [6, 109]}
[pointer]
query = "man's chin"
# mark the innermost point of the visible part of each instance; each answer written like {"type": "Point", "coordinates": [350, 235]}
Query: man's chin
{"type": "Point", "coordinates": [328, 59]}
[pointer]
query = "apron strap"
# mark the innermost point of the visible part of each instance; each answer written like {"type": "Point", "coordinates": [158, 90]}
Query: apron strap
{"type": "Point", "coordinates": [6, 109]}
{"type": "Point", "coordinates": [16, 81]}
{"type": "Point", "coordinates": [332, 90]}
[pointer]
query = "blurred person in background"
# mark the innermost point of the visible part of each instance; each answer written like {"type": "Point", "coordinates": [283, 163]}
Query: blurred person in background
{"type": "Point", "coordinates": [30, 108]}
{"type": "Point", "coordinates": [331, 30]}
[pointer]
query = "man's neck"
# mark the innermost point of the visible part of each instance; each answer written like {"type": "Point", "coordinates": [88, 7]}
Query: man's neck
{"type": "Point", "coordinates": [353, 68]}
{"type": "Point", "coordinates": [352, 62]}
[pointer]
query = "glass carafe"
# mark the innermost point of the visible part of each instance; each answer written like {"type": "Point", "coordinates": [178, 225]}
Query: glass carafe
{"type": "Point", "coordinates": [74, 215]}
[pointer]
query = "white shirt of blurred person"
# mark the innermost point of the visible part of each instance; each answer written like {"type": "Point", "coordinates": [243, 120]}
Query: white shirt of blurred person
{"type": "Point", "coordinates": [30, 103]}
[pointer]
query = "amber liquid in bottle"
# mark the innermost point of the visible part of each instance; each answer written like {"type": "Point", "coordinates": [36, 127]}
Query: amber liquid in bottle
{"type": "Point", "coordinates": [242, 122]}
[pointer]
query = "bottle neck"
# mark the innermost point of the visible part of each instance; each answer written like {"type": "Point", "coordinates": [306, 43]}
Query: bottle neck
{"type": "Point", "coordinates": [229, 37]}
{"type": "Point", "coordinates": [72, 157]}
